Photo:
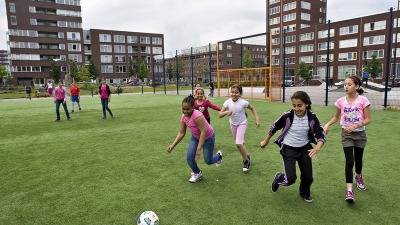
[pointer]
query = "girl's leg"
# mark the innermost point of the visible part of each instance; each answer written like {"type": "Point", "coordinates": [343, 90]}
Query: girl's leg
{"type": "Point", "coordinates": [307, 177]}
{"type": "Point", "coordinates": [108, 109]}
{"type": "Point", "coordinates": [191, 154]}
{"type": "Point", "coordinates": [358, 156]}
{"type": "Point", "coordinates": [72, 106]}
{"type": "Point", "coordinates": [238, 133]}
{"type": "Point", "coordinates": [208, 120]}
{"type": "Point", "coordinates": [208, 151]}
{"type": "Point", "coordinates": [65, 109]}
{"type": "Point", "coordinates": [103, 104]}
{"type": "Point", "coordinates": [289, 165]}
{"type": "Point", "coordinates": [58, 109]}
{"type": "Point", "coordinates": [348, 153]}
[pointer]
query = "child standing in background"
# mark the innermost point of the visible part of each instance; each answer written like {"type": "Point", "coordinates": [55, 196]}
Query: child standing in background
{"type": "Point", "coordinates": [235, 108]}
{"type": "Point", "coordinates": [354, 114]}
{"type": "Point", "coordinates": [300, 127]}
{"type": "Point", "coordinates": [75, 96]}
{"type": "Point", "coordinates": [105, 96]}
{"type": "Point", "coordinates": [60, 97]}
{"type": "Point", "coordinates": [202, 138]}
{"type": "Point", "coordinates": [202, 104]}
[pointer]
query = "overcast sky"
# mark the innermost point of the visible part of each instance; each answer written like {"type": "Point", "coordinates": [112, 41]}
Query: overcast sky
{"type": "Point", "coordinates": [191, 23]}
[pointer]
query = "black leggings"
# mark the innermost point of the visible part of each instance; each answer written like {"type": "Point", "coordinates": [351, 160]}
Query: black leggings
{"type": "Point", "coordinates": [351, 159]}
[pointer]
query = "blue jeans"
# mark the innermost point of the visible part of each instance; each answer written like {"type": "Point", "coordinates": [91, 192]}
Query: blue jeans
{"type": "Point", "coordinates": [104, 104]}
{"type": "Point", "coordinates": [208, 152]}
{"type": "Point", "coordinates": [58, 102]}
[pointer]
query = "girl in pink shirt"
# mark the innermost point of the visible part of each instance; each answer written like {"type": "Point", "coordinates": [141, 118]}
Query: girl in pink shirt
{"type": "Point", "coordinates": [203, 104]}
{"type": "Point", "coordinates": [105, 96]}
{"type": "Point", "coordinates": [202, 138]}
{"type": "Point", "coordinates": [354, 114]}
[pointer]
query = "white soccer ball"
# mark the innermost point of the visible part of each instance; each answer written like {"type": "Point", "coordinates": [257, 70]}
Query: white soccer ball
{"type": "Point", "coordinates": [148, 218]}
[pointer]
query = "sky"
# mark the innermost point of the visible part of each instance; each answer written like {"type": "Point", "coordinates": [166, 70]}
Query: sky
{"type": "Point", "coordinates": [193, 23]}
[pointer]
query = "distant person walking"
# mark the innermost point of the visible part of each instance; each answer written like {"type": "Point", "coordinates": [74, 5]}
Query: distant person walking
{"type": "Point", "coordinates": [75, 96]}
{"type": "Point", "coordinates": [211, 90]}
{"type": "Point", "coordinates": [365, 77]}
{"type": "Point", "coordinates": [60, 97]}
{"type": "Point", "coordinates": [105, 96]}
{"type": "Point", "coordinates": [50, 88]}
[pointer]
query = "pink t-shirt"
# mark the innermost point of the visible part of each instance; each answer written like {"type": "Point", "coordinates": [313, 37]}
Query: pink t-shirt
{"type": "Point", "coordinates": [104, 93]}
{"type": "Point", "coordinates": [193, 126]}
{"type": "Point", "coordinates": [352, 112]}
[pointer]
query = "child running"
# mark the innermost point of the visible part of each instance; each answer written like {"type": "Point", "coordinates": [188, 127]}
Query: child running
{"type": "Point", "coordinates": [354, 114]}
{"type": "Point", "coordinates": [75, 96]}
{"type": "Point", "coordinates": [235, 108]}
{"type": "Point", "coordinates": [300, 127]}
{"type": "Point", "coordinates": [203, 137]}
{"type": "Point", "coordinates": [105, 96]}
{"type": "Point", "coordinates": [60, 97]}
{"type": "Point", "coordinates": [202, 104]}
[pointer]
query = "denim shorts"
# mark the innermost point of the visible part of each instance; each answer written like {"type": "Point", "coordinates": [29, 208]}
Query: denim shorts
{"type": "Point", "coordinates": [357, 139]}
{"type": "Point", "coordinates": [74, 98]}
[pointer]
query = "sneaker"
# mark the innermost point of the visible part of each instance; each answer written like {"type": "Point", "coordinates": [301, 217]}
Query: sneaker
{"type": "Point", "coordinates": [246, 164]}
{"type": "Point", "coordinates": [219, 161]}
{"type": "Point", "coordinates": [80, 109]}
{"type": "Point", "coordinates": [275, 185]}
{"type": "Point", "coordinates": [349, 196]}
{"type": "Point", "coordinates": [360, 182]}
{"type": "Point", "coordinates": [306, 198]}
{"type": "Point", "coordinates": [69, 118]}
{"type": "Point", "coordinates": [112, 117]}
{"type": "Point", "coordinates": [104, 118]}
{"type": "Point", "coordinates": [72, 111]}
{"type": "Point", "coordinates": [195, 177]}
{"type": "Point", "coordinates": [57, 120]}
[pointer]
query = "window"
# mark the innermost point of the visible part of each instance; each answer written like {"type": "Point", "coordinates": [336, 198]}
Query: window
{"type": "Point", "coordinates": [290, 60]}
{"type": "Point", "coordinates": [289, 6]}
{"type": "Point", "coordinates": [105, 48]}
{"type": "Point", "coordinates": [106, 58]}
{"type": "Point", "coordinates": [321, 71]}
{"type": "Point", "coordinates": [307, 48]}
{"type": "Point", "coordinates": [305, 5]}
{"type": "Point", "coordinates": [74, 47]}
{"type": "Point", "coordinates": [380, 25]}
{"type": "Point", "coordinates": [276, 31]}
{"type": "Point", "coordinates": [374, 40]}
{"type": "Point", "coordinates": [307, 36]}
{"type": "Point", "coordinates": [347, 56]}
{"type": "Point", "coordinates": [276, 41]}
{"type": "Point", "coordinates": [75, 57]}
{"type": "Point", "coordinates": [290, 50]}
{"type": "Point", "coordinates": [291, 39]}
{"type": "Point", "coordinates": [13, 20]}
{"type": "Point", "coordinates": [275, 20]}
{"type": "Point", "coordinates": [394, 38]}
{"type": "Point", "coordinates": [275, 60]}
{"type": "Point", "coordinates": [349, 43]}
{"type": "Point", "coordinates": [289, 17]}
{"type": "Point", "coordinates": [12, 7]}
{"type": "Point", "coordinates": [156, 41]}
{"type": "Point", "coordinates": [368, 54]}
{"type": "Point", "coordinates": [132, 39]}
{"type": "Point", "coordinates": [119, 38]}
{"type": "Point", "coordinates": [274, 10]}
{"type": "Point", "coordinates": [324, 46]}
{"type": "Point", "coordinates": [61, 46]}
{"type": "Point", "coordinates": [275, 51]}
{"type": "Point", "coordinates": [306, 59]}
{"type": "Point", "coordinates": [305, 16]}
{"type": "Point", "coordinates": [304, 25]}
{"type": "Point", "coordinates": [120, 69]}
{"type": "Point", "coordinates": [105, 37]}
{"type": "Point", "coordinates": [119, 49]}
{"type": "Point", "coordinates": [73, 36]}
{"type": "Point", "coordinates": [120, 59]}
{"type": "Point", "coordinates": [61, 35]}
{"type": "Point", "coordinates": [157, 50]}
{"type": "Point", "coordinates": [144, 40]}
{"type": "Point", "coordinates": [273, 1]}
{"type": "Point", "coordinates": [229, 54]}
{"type": "Point", "coordinates": [324, 33]}
{"type": "Point", "coordinates": [348, 30]}
{"type": "Point", "coordinates": [324, 58]}
{"type": "Point", "coordinates": [349, 69]}
{"type": "Point", "coordinates": [290, 28]}
{"type": "Point", "coordinates": [106, 68]}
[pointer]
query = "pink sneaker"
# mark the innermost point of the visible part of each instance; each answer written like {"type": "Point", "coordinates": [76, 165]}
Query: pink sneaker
{"type": "Point", "coordinates": [349, 196]}
{"type": "Point", "coordinates": [360, 183]}
{"type": "Point", "coordinates": [219, 161]}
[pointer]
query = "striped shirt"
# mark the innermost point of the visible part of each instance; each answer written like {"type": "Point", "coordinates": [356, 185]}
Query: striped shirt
{"type": "Point", "coordinates": [297, 135]}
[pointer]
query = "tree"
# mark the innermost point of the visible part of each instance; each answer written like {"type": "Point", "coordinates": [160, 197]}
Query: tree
{"type": "Point", "coordinates": [374, 67]}
{"type": "Point", "coordinates": [55, 71]}
{"type": "Point", "coordinates": [84, 74]}
{"type": "Point", "coordinates": [178, 67]}
{"type": "Point", "coordinates": [3, 73]}
{"type": "Point", "coordinates": [247, 60]}
{"type": "Point", "coordinates": [93, 70]}
{"type": "Point", "coordinates": [132, 68]}
{"type": "Point", "coordinates": [74, 71]}
{"type": "Point", "coordinates": [304, 71]}
{"type": "Point", "coordinates": [143, 70]}
{"type": "Point", "coordinates": [170, 72]}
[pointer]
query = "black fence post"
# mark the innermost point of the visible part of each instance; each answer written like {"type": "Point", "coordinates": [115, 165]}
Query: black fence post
{"type": "Point", "coordinates": [388, 58]}
{"type": "Point", "coordinates": [283, 65]}
{"type": "Point", "coordinates": [328, 62]}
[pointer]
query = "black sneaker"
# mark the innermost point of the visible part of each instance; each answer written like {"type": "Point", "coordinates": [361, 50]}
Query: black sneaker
{"type": "Point", "coordinates": [57, 120]}
{"type": "Point", "coordinates": [72, 111]}
{"type": "Point", "coordinates": [246, 164]}
{"type": "Point", "coordinates": [69, 118]}
{"type": "Point", "coordinates": [306, 198]}
{"type": "Point", "coordinates": [275, 183]}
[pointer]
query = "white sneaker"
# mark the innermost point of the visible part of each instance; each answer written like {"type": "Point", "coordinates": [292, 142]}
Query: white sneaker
{"type": "Point", "coordinates": [219, 161]}
{"type": "Point", "coordinates": [195, 177]}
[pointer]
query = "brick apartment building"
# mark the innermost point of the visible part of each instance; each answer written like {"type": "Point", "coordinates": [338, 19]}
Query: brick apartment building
{"type": "Point", "coordinates": [4, 61]}
{"type": "Point", "coordinates": [352, 41]}
{"type": "Point", "coordinates": [43, 30]}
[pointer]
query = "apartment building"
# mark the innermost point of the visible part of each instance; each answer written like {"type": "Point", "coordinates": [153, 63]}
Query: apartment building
{"type": "Point", "coordinates": [42, 31]}
{"type": "Point", "coordinates": [352, 41]}
{"type": "Point", "coordinates": [4, 61]}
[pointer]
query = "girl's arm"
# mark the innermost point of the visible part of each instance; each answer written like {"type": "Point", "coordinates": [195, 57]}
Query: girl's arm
{"type": "Point", "coordinates": [313, 153]}
{"type": "Point", "coordinates": [209, 104]}
{"type": "Point", "coordinates": [334, 119]}
{"type": "Point", "coordinates": [265, 141]}
{"type": "Point", "coordinates": [179, 137]}
{"type": "Point", "coordinates": [202, 127]}
{"type": "Point", "coordinates": [224, 112]}
{"type": "Point", "coordinates": [253, 110]}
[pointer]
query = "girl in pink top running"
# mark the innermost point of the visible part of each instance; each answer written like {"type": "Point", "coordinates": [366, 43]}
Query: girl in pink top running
{"type": "Point", "coordinates": [202, 138]}
{"type": "Point", "coordinates": [105, 96]}
{"type": "Point", "coordinates": [354, 114]}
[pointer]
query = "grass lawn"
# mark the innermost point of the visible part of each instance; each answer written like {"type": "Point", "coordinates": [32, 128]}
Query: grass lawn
{"type": "Point", "coordinates": [89, 171]}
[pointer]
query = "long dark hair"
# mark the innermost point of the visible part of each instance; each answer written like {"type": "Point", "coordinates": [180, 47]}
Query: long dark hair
{"type": "Point", "coordinates": [303, 96]}
{"type": "Point", "coordinates": [357, 81]}
{"type": "Point", "coordinates": [189, 99]}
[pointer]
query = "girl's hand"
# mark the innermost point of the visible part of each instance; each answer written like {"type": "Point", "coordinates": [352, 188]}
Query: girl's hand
{"type": "Point", "coordinates": [263, 144]}
{"type": "Point", "coordinates": [228, 112]}
{"type": "Point", "coordinates": [170, 148]}
{"type": "Point", "coordinates": [257, 123]}
{"type": "Point", "coordinates": [326, 129]}
{"type": "Point", "coordinates": [313, 153]}
{"type": "Point", "coordinates": [197, 155]}
{"type": "Point", "coordinates": [349, 129]}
